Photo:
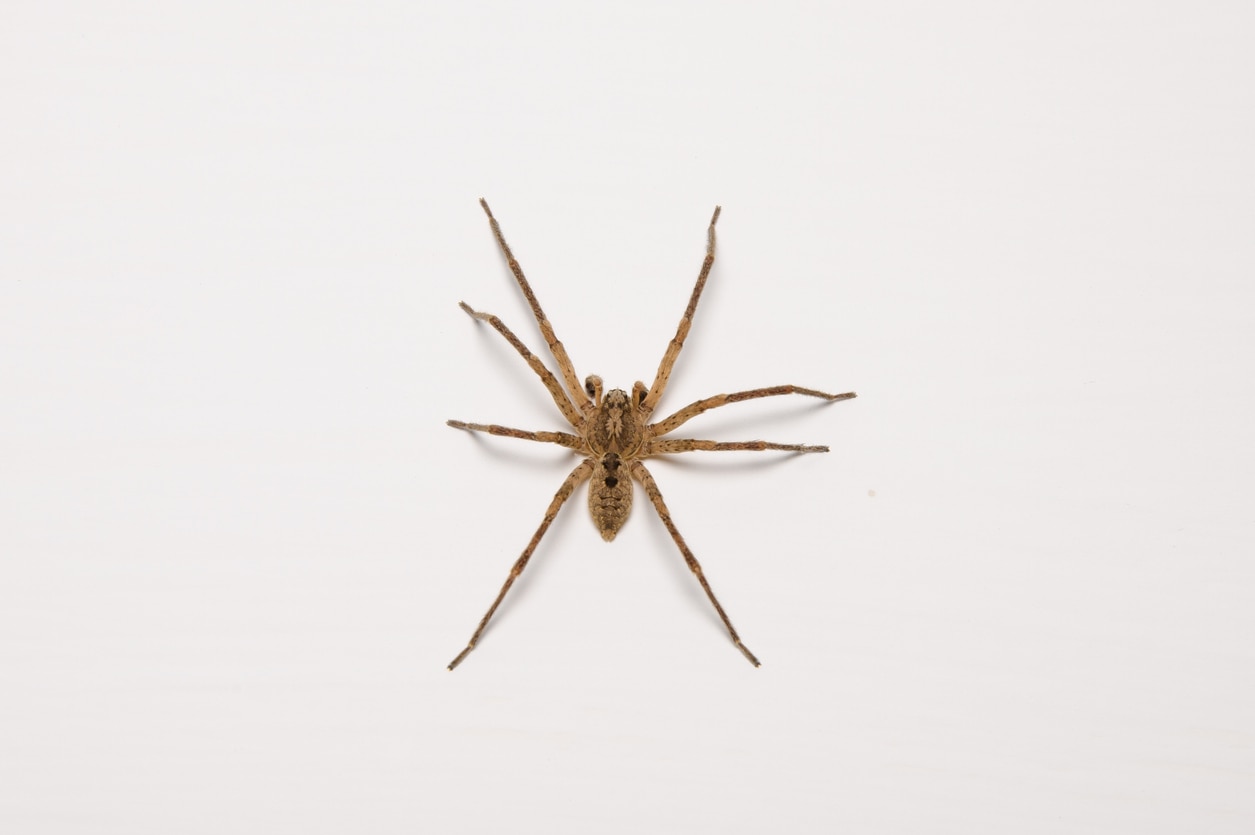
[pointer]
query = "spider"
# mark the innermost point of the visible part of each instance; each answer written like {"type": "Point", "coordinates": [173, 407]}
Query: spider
{"type": "Point", "coordinates": [613, 432]}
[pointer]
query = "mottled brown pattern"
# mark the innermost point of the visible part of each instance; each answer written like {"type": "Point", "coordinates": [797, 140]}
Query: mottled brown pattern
{"type": "Point", "coordinates": [609, 495]}
{"type": "Point", "coordinates": [613, 432]}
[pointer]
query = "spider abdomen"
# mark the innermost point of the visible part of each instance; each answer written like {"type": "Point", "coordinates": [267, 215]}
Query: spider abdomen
{"type": "Point", "coordinates": [609, 495]}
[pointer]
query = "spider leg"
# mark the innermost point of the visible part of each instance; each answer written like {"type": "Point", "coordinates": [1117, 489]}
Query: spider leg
{"type": "Point", "coordinates": [577, 476]}
{"type": "Point", "coordinates": [562, 438]}
{"type": "Point", "coordinates": [686, 322]}
{"type": "Point", "coordinates": [668, 445]}
{"type": "Point", "coordinates": [546, 376]}
{"type": "Point", "coordinates": [578, 395]}
{"type": "Point", "coordinates": [675, 421]}
{"type": "Point", "coordinates": [651, 489]}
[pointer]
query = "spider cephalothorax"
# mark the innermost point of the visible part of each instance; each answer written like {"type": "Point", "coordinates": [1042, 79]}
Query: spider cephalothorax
{"type": "Point", "coordinates": [613, 432]}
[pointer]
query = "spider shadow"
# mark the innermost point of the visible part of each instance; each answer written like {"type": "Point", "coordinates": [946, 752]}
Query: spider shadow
{"type": "Point", "coordinates": [538, 456]}
{"type": "Point", "coordinates": [511, 372]}
{"type": "Point", "coordinates": [683, 579]}
{"type": "Point", "coordinates": [557, 532]}
{"type": "Point", "coordinates": [761, 460]}
{"type": "Point", "coordinates": [742, 427]}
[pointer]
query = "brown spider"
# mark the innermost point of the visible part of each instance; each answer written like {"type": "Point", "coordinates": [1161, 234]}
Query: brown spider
{"type": "Point", "coordinates": [613, 432]}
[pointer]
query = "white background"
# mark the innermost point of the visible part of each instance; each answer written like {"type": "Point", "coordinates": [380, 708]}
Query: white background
{"type": "Point", "coordinates": [239, 544]}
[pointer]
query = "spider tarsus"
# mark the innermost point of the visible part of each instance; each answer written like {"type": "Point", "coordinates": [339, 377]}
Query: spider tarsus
{"type": "Point", "coordinates": [846, 395]}
{"type": "Point", "coordinates": [462, 655]}
{"type": "Point", "coordinates": [457, 424]}
{"type": "Point", "coordinates": [746, 652]}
